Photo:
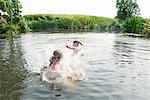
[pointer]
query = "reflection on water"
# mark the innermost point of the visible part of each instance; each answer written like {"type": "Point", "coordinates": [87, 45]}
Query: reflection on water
{"type": "Point", "coordinates": [12, 69]}
{"type": "Point", "coordinates": [117, 68]}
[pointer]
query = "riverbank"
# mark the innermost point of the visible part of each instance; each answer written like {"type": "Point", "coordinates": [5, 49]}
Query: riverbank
{"type": "Point", "coordinates": [63, 23]}
{"type": "Point", "coordinates": [58, 23]}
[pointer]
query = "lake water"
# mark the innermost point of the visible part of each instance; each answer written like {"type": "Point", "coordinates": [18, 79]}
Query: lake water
{"type": "Point", "coordinates": [117, 67]}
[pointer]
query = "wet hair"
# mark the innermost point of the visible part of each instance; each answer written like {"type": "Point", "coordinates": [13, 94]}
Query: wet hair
{"type": "Point", "coordinates": [57, 54]}
{"type": "Point", "coordinates": [78, 42]}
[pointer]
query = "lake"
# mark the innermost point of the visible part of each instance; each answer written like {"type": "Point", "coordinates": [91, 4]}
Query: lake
{"type": "Point", "coordinates": [117, 67]}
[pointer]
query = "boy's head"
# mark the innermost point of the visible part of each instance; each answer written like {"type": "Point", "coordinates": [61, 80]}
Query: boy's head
{"type": "Point", "coordinates": [76, 43]}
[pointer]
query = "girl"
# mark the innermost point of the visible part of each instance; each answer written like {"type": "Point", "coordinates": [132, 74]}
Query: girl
{"type": "Point", "coordinates": [55, 65]}
{"type": "Point", "coordinates": [76, 47]}
{"type": "Point", "coordinates": [51, 73]}
{"type": "Point", "coordinates": [55, 60]}
{"type": "Point", "coordinates": [75, 63]}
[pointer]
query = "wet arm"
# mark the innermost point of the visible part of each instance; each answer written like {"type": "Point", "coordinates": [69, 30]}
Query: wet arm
{"type": "Point", "coordinates": [69, 46]}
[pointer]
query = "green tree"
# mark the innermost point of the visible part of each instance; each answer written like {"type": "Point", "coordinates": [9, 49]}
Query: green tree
{"type": "Point", "coordinates": [127, 8]}
{"type": "Point", "coordinates": [3, 5]}
{"type": "Point", "coordinates": [12, 8]}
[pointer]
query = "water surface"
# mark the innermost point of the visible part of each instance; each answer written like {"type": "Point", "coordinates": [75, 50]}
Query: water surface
{"type": "Point", "coordinates": [116, 67]}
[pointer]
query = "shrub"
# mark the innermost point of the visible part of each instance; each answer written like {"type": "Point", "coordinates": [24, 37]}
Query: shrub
{"type": "Point", "coordinates": [133, 25]}
{"type": "Point", "coordinates": [103, 27]}
{"type": "Point", "coordinates": [146, 28]}
{"type": "Point", "coordinates": [4, 28]}
{"type": "Point", "coordinates": [116, 26]}
{"type": "Point", "coordinates": [23, 26]}
{"type": "Point", "coordinates": [110, 27]}
{"type": "Point", "coordinates": [42, 25]}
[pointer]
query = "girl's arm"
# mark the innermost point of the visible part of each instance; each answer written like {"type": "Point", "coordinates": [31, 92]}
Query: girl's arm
{"type": "Point", "coordinates": [63, 73]}
{"type": "Point", "coordinates": [69, 46]}
{"type": "Point", "coordinates": [66, 71]}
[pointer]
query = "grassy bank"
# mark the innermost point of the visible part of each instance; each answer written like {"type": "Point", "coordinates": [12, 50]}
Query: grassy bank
{"type": "Point", "coordinates": [56, 22]}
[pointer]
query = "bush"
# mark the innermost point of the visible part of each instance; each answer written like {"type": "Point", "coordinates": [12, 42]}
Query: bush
{"type": "Point", "coordinates": [133, 25]}
{"type": "Point", "coordinates": [23, 26]}
{"type": "Point", "coordinates": [114, 26]}
{"type": "Point", "coordinates": [5, 28]}
{"type": "Point", "coordinates": [42, 25]}
{"type": "Point", "coordinates": [103, 27]}
{"type": "Point", "coordinates": [146, 28]}
{"type": "Point", "coordinates": [2, 28]}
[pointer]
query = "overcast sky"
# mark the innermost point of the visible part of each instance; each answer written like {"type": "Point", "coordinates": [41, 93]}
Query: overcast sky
{"type": "Point", "coordinates": [87, 7]}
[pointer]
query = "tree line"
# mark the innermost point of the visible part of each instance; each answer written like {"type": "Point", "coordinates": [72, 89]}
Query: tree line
{"type": "Point", "coordinates": [127, 20]}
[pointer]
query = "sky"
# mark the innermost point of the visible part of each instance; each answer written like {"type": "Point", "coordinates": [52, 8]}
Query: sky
{"type": "Point", "coordinates": [84, 7]}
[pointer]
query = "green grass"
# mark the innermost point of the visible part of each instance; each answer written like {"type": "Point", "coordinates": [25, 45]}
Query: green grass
{"type": "Point", "coordinates": [62, 21]}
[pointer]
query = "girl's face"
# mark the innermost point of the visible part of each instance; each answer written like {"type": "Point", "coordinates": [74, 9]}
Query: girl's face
{"type": "Point", "coordinates": [75, 44]}
{"type": "Point", "coordinates": [58, 54]}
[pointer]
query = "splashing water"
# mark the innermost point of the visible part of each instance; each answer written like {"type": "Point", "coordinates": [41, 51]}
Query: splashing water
{"type": "Point", "coordinates": [70, 62]}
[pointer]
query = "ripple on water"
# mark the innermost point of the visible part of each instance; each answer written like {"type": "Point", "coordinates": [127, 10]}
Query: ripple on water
{"type": "Point", "coordinates": [116, 67]}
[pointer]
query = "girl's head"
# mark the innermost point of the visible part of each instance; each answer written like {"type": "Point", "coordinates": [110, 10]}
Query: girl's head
{"type": "Point", "coordinates": [56, 57]}
{"type": "Point", "coordinates": [58, 54]}
{"type": "Point", "coordinates": [76, 43]}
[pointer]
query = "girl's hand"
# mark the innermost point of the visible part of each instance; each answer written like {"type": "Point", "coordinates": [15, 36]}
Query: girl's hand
{"type": "Point", "coordinates": [67, 41]}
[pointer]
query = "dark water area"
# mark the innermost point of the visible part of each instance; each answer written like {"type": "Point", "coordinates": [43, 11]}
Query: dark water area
{"type": "Point", "coordinates": [12, 69]}
{"type": "Point", "coordinates": [116, 67]}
